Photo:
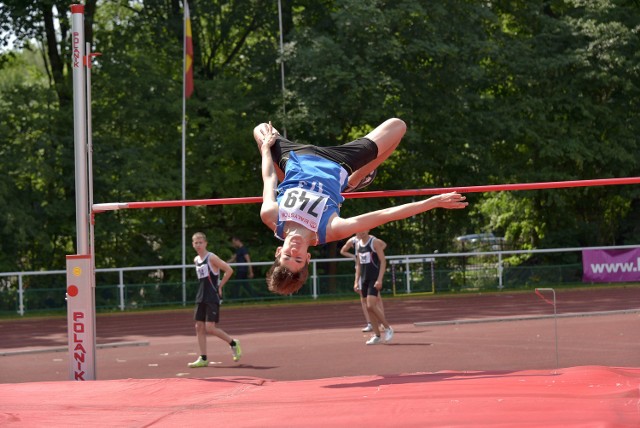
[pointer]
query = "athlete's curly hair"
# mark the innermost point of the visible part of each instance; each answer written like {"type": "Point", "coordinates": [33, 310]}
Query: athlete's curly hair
{"type": "Point", "coordinates": [281, 280]}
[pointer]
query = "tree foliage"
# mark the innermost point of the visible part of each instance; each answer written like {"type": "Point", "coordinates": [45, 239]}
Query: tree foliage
{"type": "Point", "coordinates": [492, 92]}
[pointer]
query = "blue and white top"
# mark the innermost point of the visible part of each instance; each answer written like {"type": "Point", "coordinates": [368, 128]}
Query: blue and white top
{"type": "Point", "coordinates": [310, 193]}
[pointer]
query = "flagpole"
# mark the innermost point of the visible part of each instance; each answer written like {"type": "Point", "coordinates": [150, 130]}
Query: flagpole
{"type": "Point", "coordinates": [184, 138]}
{"type": "Point", "coordinates": [284, 111]}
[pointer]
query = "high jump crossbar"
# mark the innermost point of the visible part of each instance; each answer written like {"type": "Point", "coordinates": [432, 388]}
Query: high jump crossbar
{"type": "Point", "coordinates": [97, 208]}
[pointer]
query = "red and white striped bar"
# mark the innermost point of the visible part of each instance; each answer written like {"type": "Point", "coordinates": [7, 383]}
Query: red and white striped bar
{"type": "Point", "coordinates": [97, 208]}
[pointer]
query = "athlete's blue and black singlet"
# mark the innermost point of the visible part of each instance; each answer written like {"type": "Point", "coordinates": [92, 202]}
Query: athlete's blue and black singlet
{"type": "Point", "coordinates": [310, 193]}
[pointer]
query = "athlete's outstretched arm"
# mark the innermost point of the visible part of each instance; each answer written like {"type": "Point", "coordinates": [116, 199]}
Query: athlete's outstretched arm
{"type": "Point", "coordinates": [343, 227]}
{"type": "Point", "coordinates": [269, 209]}
{"type": "Point", "coordinates": [261, 132]}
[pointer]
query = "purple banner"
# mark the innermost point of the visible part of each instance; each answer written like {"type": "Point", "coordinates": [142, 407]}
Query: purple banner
{"type": "Point", "coordinates": [611, 265]}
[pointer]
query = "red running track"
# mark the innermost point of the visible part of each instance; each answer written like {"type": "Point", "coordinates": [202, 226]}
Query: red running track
{"type": "Point", "coordinates": [307, 365]}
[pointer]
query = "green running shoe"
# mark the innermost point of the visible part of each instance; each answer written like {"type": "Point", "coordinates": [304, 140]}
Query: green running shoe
{"type": "Point", "coordinates": [236, 350]}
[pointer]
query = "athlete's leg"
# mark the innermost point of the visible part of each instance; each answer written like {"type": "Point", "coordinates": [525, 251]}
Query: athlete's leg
{"type": "Point", "coordinates": [386, 136]}
{"type": "Point", "coordinates": [375, 312]}
{"type": "Point", "coordinates": [212, 329]}
{"type": "Point", "coordinates": [235, 348]}
{"type": "Point", "coordinates": [259, 133]}
{"type": "Point", "coordinates": [375, 322]}
{"type": "Point", "coordinates": [363, 301]}
{"type": "Point", "coordinates": [202, 337]}
{"type": "Point", "coordinates": [380, 305]}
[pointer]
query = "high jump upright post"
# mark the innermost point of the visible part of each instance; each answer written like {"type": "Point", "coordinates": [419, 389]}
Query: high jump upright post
{"type": "Point", "coordinates": [80, 267]}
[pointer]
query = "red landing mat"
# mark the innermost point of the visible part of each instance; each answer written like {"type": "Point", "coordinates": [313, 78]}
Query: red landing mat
{"type": "Point", "coordinates": [590, 396]}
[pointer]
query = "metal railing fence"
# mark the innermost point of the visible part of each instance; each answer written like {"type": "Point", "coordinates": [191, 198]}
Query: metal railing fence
{"type": "Point", "coordinates": [119, 289]}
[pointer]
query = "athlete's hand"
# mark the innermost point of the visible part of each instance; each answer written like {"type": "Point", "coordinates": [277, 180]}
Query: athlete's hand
{"type": "Point", "coordinates": [452, 200]}
{"type": "Point", "coordinates": [378, 285]}
{"type": "Point", "coordinates": [269, 135]}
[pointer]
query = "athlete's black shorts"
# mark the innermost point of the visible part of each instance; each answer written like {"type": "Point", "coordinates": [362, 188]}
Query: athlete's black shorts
{"type": "Point", "coordinates": [207, 312]}
{"type": "Point", "coordinates": [351, 156]}
{"type": "Point", "coordinates": [368, 288]}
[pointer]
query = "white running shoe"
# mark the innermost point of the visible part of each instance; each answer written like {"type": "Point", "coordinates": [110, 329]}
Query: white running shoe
{"type": "Point", "coordinates": [388, 334]}
{"type": "Point", "coordinates": [374, 340]}
{"type": "Point", "coordinates": [368, 179]}
{"type": "Point", "coordinates": [198, 363]}
{"type": "Point", "coordinates": [368, 328]}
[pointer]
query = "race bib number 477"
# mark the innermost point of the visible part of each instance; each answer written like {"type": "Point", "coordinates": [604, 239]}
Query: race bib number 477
{"type": "Point", "coordinates": [302, 206]}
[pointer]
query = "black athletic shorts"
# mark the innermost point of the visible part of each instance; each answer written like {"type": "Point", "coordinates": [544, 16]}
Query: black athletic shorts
{"type": "Point", "coordinates": [368, 289]}
{"type": "Point", "coordinates": [351, 156]}
{"type": "Point", "coordinates": [207, 312]}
